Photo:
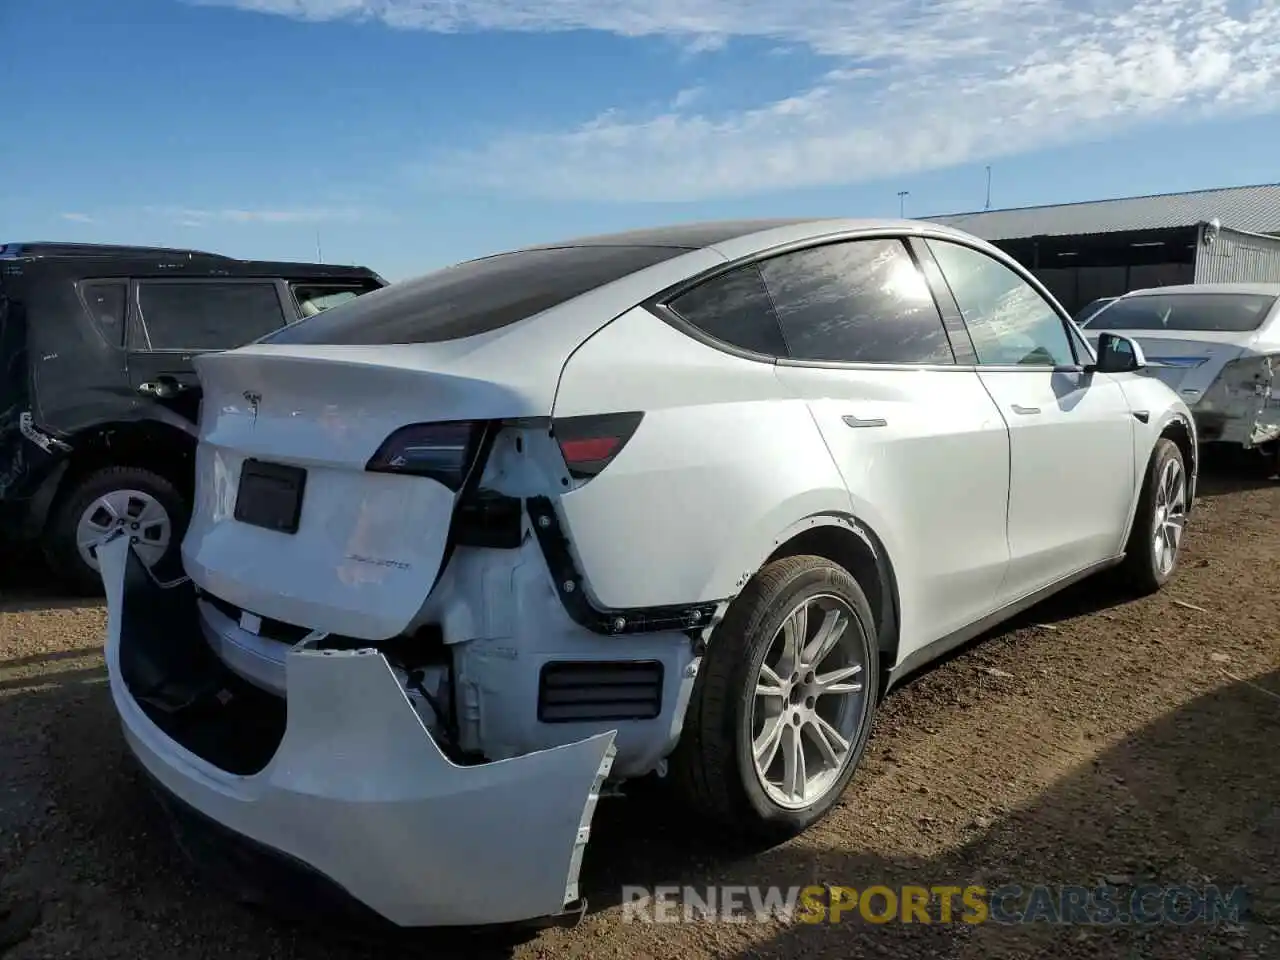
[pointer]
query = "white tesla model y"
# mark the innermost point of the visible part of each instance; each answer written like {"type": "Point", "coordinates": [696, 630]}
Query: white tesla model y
{"type": "Point", "coordinates": [682, 501]}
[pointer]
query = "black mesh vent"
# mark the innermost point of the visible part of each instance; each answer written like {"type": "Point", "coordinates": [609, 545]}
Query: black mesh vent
{"type": "Point", "coordinates": [594, 690]}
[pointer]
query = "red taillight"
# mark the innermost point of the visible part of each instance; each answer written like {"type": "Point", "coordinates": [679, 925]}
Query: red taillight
{"type": "Point", "coordinates": [444, 452]}
{"type": "Point", "coordinates": [589, 444]}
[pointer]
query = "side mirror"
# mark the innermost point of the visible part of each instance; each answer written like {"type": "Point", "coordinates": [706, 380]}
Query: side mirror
{"type": "Point", "coordinates": [1117, 354]}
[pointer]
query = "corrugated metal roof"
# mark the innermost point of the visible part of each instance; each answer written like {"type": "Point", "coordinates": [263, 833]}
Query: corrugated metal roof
{"type": "Point", "coordinates": [1255, 209]}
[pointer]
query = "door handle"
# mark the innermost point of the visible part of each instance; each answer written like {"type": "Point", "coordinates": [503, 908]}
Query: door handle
{"type": "Point", "coordinates": [1019, 408]}
{"type": "Point", "coordinates": [852, 421]}
{"type": "Point", "coordinates": [162, 389]}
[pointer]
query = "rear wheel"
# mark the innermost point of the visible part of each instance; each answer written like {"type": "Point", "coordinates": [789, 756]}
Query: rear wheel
{"type": "Point", "coordinates": [143, 504]}
{"type": "Point", "coordinates": [783, 703]}
{"type": "Point", "coordinates": [1155, 542]}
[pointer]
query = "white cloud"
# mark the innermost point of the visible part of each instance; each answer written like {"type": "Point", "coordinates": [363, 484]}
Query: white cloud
{"type": "Point", "coordinates": [194, 217]}
{"type": "Point", "coordinates": [77, 217]}
{"type": "Point", "coordinates": [905, 85]}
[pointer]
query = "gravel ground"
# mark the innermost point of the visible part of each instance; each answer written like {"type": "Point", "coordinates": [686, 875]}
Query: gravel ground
{"type": "Point", "coordinates": [1092, 740]}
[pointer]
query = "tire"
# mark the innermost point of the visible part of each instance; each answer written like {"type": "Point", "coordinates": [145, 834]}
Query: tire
{"type": "Point", "coordinates": [1144, 571]}
{"type": "Point", "coordinates": [128, 485]}
{"type": "Point", "coordinates": [713, 767]}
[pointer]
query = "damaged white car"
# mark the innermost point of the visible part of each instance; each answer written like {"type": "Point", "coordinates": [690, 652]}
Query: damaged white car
{"type": "Point", "coordinates": [1218, 345]}
{"type": "Point", "coordinates": [682, 501]}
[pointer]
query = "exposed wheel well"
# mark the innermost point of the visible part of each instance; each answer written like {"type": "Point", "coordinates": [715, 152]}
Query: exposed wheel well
{"type": "Point", "coordinates": [1177, 431]}
{"type": "Point", "coordinates": [147, 444]}
{"type": "Point", "coordinates": [869, 565]}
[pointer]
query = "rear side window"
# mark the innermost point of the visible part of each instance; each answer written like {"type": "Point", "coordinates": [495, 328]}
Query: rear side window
{"type": "Point", "coordinates": [316, 298]}
{"type": "Point", "coordinates": [203, 316]}
{"type": "Point", "coordinates": [734, 308]}
{"type": "Point", "coordinates": [474, 297]}
{"type": "Point", "coordinates": [1219, 312]}
{"type": "Point", "coordinates": [105, 300]}
{"type": "Point", "coordinates": [862, 301]}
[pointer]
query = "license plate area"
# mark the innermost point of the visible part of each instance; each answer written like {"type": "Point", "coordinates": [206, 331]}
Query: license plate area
{"type": "Point", "coordinates": [270, 495]}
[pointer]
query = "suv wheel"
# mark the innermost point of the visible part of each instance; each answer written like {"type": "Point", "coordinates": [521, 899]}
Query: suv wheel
{"type": "Point", "coordinates": [1151, 555]}
{"type": "Point", "coordinates": [144, 504]}
{"type": "Point", "coordinates": [784, 701]}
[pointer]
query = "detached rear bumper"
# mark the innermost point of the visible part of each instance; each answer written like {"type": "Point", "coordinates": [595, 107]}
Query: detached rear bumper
{"type": "Point", "coordinates": [356, 790]}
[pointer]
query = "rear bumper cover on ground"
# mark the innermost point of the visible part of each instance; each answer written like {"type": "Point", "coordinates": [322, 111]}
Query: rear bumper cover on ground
{"type": "Point", "coordinates": [357, 791]}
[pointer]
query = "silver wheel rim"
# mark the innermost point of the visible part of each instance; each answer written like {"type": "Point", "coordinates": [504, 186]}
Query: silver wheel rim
{"type": "Point", "coordinates": [138, 514]}
{"type": "Point", "coordinates": [1170, 516]}
{"type": "Point", "coordinates": [810, 702]}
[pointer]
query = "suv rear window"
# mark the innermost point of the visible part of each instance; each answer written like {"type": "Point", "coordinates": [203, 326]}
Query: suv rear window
{"type": "Point", "coordinates": [473, 297]}
{"type": "Point", "coordinates": [205, 315]}
{"type": "Point", "coordinates": [1219, 312]}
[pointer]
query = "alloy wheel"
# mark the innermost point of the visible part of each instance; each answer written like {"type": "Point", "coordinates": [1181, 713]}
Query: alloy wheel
{"type": "Point", "coordinates": [1170, 516]}
{"type": "Point", "coordinates": [810, 702]}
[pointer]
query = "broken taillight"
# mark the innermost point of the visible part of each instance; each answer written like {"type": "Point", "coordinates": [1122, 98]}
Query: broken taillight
{"type": "Point", "coordinates": [444, 452]}
{"type": "Point", "coordinates": [590, 443]}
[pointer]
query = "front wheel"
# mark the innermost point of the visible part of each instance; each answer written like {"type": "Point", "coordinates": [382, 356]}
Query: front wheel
{"type": "Point", "coordinates": [1155, 542]}
{"type": "Point", "coordinates": [783, 703]}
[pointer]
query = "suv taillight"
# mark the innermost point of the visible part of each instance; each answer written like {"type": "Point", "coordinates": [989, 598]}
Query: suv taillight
{"type": "Point", "coordinates": [589, 444]}
{"type": "Point", "coordinates": [444, 452]}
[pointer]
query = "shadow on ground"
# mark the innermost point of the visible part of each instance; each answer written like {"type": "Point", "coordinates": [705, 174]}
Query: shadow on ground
{"type": "Point", "coordinates": [1230, 471]}
{"type": "Point", "coordinates": [27, 584]}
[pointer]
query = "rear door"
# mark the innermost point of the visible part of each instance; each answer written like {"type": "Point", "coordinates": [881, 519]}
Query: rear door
{"type": "Point", "coordinates": [170, 321]}
{"type": "Point", "coordinates": [922, 447]}
{"type": "Point", "coordinates": [1071, 433]}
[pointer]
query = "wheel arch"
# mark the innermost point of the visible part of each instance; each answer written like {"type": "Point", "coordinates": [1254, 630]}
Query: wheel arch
{"type": "Point", "coordinates": [855, 546]}
{"type": "Point", "coordinates": [1177, 426]}
{"type": "Point", "coordinates": [146, 444]}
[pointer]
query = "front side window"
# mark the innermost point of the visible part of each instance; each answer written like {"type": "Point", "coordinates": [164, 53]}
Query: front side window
{"type": "Point", "coordinates": [860, 301]}
{"type": "Point", "coordinates": [203, 316]}
{"type": "Point", "coordinates": [1216, 312]}
{"type": "Point", "coordinates": [1010, 323]}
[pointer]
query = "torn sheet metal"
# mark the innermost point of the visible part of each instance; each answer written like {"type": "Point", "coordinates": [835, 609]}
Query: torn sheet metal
{"type": "Point", "coordinates": [357, 790]}
{"type": "Point", "coordinates": [1243, 404]}
{"type": "Point", "coordinates": [47, 443]}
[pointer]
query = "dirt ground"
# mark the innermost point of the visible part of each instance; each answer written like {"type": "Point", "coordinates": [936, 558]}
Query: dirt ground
{"type": "Point", "coordinates": [1092, 741]}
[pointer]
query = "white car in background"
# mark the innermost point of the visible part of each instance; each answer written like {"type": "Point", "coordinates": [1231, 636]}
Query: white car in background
{"type": "Point", "coordinates": [1218, 346]}
{"type": "Point", "coordinates": [682, 501]}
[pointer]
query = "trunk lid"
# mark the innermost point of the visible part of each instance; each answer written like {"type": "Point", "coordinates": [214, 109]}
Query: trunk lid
{"type": "Point", "coordinates": [302, 422]}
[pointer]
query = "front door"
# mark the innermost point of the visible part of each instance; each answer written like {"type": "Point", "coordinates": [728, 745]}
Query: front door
{"type": "Point", "coordinates": [1071, 433]}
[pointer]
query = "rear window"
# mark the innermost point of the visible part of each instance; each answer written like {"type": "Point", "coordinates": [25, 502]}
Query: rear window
{"type": "Point", "coordinates": [474, 297]}
{"type": "Point", "coordinates": [1205, 312]}
{"type": "Point", "coordinates": [1090, 309]}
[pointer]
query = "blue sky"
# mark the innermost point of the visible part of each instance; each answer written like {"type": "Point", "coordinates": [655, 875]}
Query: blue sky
{"type": "Point", "coordinates": [413, 133]}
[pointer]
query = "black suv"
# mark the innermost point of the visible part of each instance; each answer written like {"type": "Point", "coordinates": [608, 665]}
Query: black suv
{"type": "Point", "coordinates": [98, 397]}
